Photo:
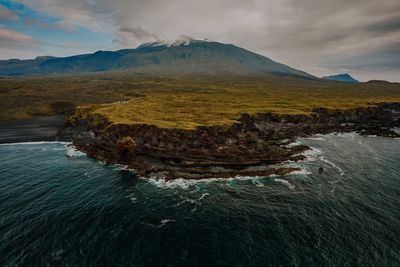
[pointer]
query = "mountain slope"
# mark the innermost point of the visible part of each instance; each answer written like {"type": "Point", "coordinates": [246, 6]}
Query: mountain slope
{"type": "Point", "coordinates": [341, 78]}
{"type": "Point", "coordinates": [187, 56]}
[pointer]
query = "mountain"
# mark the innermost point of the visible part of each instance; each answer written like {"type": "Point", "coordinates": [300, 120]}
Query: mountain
{"type": "Point", "coordinates": [183, 56]}
{"type": "Point", "coordinates": [341, 78]}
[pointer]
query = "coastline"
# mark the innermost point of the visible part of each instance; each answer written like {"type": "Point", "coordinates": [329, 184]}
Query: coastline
{"type": "Point", "coordinates": [32, 130]}
{"type": "Point", "coordinates": [255, 146]}
{"type": "Point", "coordinates": [252, 147]}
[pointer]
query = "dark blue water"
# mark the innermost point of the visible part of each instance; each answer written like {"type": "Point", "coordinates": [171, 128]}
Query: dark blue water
{"type": "Point", "coordinates": [72, 211]}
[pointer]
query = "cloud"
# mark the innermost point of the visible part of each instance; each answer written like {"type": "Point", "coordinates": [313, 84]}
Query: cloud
{"type": "Point", "coordinates": [313, 35]}
{"type": "Point", "coordinates": [80, 13]}
{"type": "Point", "coordinates": [48, 25]}
{"type": "Point", "coordinates": [7, 15]}
{"type": "Point", "coordinates": [128, 36]}
{"type": "Point", "coordinates": [138, 32]}
{"type": "Point", "coordinates": [390, 24]}
{"type": "Point", "coordinates": [386, 58]}
{"type": "Point", "coordinates": [12, 39]}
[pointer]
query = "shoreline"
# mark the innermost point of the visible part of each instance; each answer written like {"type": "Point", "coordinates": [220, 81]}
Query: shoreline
{"type": "Point", "coordinates": [38, 129]}
{"type": "Point", "coordinates": [251, 147]}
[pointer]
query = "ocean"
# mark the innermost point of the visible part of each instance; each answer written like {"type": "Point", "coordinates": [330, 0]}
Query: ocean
{"type": "Point", "coordinates": [60, 208]}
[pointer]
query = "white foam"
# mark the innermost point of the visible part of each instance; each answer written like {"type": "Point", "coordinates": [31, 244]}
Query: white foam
{"type": "Point", "coordinates": [58, 149]}
{"type": "Point", "coordinates": [163, 222]}
{"type": "Point", "coordinates": [35, 143]}
{"type": "Point", "coordinates": [176, 183]}
{"type": "Point", "coordinates": [315, 138]}
{"type": "Point", "coordinates": [243, 178]}
{"type": "Point", "coordinates": [191, 200]}
{"type": "Point", "coordinates": [300, 172]}
{"type": "Point", "coordinates": [185, 200]}
{"type": "Point", "coordinates": [203, 195]}
{"type": "Point", "coordinates": [312, 153]}
{"type": "Point", "coordinates": [258, 183]}
{"type": "Point", "coordinates": [315, 154]}
{"type": "Point", "coordinates": [285, 182]}
{"type": "Point", "coordinates": [166, 221]}
{"type": "Point", "coordinates": [120, 167]}
{"type": "Point", "coordinates": [73, 152]}
{"type": "Point", "coordinates": [186, 183]}
{"type": "Point", "coordinates": [296, 143]}
{"type": "Point", "coordinates": [332, 164]}
{"type": "Point", "coordinates": [396, 130]}
{"type": "Point", "coordinates": [351, 135]}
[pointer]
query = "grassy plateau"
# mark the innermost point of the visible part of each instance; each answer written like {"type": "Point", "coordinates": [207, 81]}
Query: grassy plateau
{"type": "Point", "coordinates": [181, 101]}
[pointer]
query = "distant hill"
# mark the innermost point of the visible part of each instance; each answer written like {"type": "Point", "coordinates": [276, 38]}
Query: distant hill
{"type": "Point", "coordinates": [341, 78]}
{"type": "Point", "coordinates": [183, 56]}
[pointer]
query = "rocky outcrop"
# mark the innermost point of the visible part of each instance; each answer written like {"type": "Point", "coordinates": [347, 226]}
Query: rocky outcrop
{"type": "Point", "coordinates": [253, 146]}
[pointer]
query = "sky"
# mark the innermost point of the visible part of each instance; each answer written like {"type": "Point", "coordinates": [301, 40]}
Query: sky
{"type": "Point", "coordinates": [360, 37]}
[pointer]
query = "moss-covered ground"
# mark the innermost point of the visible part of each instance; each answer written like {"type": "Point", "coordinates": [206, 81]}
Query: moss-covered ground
{"type": "Point", "coordinates": [182, 102]}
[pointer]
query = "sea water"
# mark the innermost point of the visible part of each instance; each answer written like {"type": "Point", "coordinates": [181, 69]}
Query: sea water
{"type": "Point", "coordinates": [61, 208]}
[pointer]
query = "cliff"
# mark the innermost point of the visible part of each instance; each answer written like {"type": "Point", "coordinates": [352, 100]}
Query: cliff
{"type": "Point", "coordinates": [254, 146]}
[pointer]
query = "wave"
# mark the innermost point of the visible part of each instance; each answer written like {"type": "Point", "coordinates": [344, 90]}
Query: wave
{"type": "Point", "coordinates": [341, 172]}
{"type": "Point", "coordinates": [317, 137]}
{"type": "Point", "coordinates": [351, 135]}
{"type": "Point", "coordinates": [203, 195]}
{"type": "Point", "coordinates": [164, 222]}
{"type": "Point", "coordinates": [181, 183]}
{"type": "Point", "coordinates": [187, 183]}
{"type": "Point", "coordinates": [72, 152]}
{"type": "Point", "coordinates": [36, 143]}
{"type": "Point", "coordinates": [285, 182]}
{"type": "Point", "coordinates": [257, 183]}
{"type": "Point", "coordinates": [295, 143]}
{"type": "Point", "coordinates": [396, 130]}
{"type": "Point", "coordinates": [300, 172]}
{"type": "Point", "coordinates": [312, 154]}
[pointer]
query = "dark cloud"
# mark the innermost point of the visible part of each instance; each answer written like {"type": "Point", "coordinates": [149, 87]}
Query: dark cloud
{"type": "Point", "coordinates": [391, 24]}
{"type": "Point", "coordinates": [386, 58]}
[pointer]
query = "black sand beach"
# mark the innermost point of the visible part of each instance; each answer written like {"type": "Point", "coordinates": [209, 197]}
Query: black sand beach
{"type": "Point", "coordinates": [36, 129]}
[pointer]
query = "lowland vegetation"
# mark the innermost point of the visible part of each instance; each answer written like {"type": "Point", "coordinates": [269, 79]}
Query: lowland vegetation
{"type": "Point", "coordinates": [182, 101]}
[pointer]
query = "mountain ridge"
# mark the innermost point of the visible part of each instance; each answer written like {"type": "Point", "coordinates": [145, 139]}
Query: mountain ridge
{"type": "Point", "coordinates": [343, 77]}
{"type": "Point", "coordinates": [183, 56]}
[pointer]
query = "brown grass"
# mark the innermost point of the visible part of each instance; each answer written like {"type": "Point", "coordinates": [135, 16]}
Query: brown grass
{"type": "Point", "coordinates": [184, 102]}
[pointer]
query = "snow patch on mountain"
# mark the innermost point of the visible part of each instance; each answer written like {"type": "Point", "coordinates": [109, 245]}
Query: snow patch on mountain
{"type": "Point", "coordinates": [182, 40]}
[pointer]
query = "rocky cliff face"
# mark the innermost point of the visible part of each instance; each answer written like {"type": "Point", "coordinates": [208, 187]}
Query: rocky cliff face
{"type": "Point", "coordinates": [255, 146]}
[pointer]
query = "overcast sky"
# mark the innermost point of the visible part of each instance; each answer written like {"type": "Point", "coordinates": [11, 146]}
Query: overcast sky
{"type": "Point", "coordinates": [361, 37]}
